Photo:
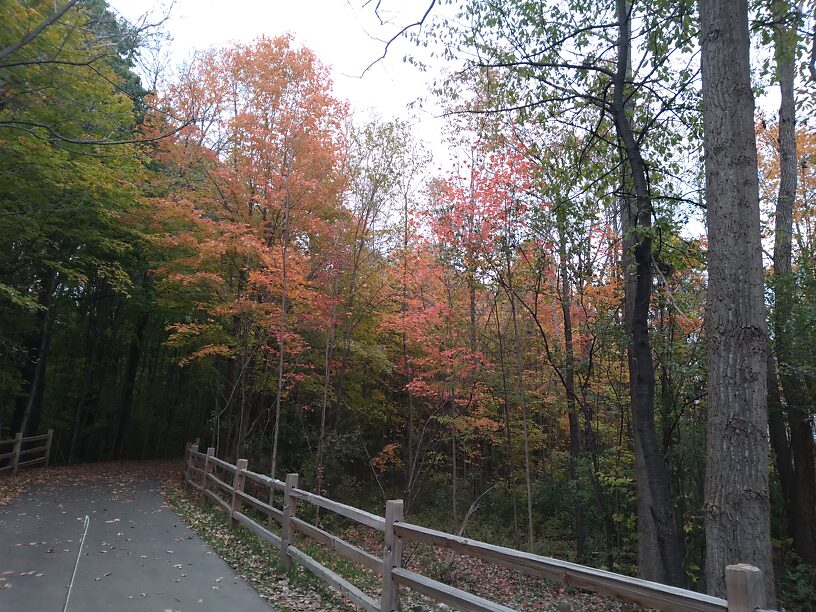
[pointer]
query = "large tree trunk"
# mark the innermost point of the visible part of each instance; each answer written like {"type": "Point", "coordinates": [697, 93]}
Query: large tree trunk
{"type": "Point", "coordinates": [655, 499]}
{"type": "Point", "coordinates": [800, 498]}
{"type": "Point", "coordinates": [737, 507]}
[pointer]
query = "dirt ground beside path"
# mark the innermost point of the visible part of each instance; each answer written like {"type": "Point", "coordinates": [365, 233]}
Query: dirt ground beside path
{"type": "Point", "coordinates": [138, 555]}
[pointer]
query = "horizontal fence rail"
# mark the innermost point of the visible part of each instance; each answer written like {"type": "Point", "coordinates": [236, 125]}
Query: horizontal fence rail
{"type": "Point", "coordinates": [18, 452]}
{"type": "Point", "coordinates": [227, 491]}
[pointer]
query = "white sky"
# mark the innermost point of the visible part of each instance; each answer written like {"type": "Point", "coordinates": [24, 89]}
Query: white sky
{"type": "Point", "coordinates": [344, 34]}
{"type": "Point", "coordinates": [341, 32]}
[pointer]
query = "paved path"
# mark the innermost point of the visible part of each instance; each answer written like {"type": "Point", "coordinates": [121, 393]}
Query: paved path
{"type": "Point", "coordinates": [138, 554]}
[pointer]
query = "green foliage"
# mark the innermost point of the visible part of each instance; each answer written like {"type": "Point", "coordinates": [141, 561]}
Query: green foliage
{"type": "Point", "coordinates": [795, 579]}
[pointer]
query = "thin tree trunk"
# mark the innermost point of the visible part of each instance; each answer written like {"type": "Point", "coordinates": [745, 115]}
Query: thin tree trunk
{"type": "Point", "coordinates": [801, 496]}
{"type": "Point", "coordinates": [358, 247]}
{"type": "Point", "coordinates": [91, 340]}
{"type": "Point", "coordinates": [524, 418]}
{"type": "Point", "coordinates": [329, 357]}
{"type": "Point", "coordinates": [651, 465]}
{"type": "Point", "coordinates": [737, 506]}
{"type": "Point", "coordinates": [522, 402]}
{"type": "Point", "coordinates": [239, 380]}
{"type": "Point", "coordinates": [282, 328]}
{"type": "Point", "coordinates": [33, 406]}
{"type": "Point", "coordinates": [650, 565]}
{"type": "Point", "coordinates": [410, 475]}
{"type": "Point", "coordinates": [780, 443]}
{"type": "Point", "coordinates": [508, 453]}
{"type": "Point", "coordinates": [131, 370]}
{"type": "Point", "coordinates": [569, 383]}
{"type": "Point", "coordinates": [453, 463]}
{"type": "Point", "coordinates": [450, 403]}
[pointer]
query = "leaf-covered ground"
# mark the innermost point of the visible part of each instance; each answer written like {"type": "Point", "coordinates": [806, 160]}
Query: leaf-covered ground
{"type": "Point", "coordinates": [493, 582]}
{"type": "Point", "coordinates": [108, 531]}
{"type": "Point", "coordinates": [297, 589]}
{"type": "Point", "coordinates": [119, 474]}
{"type": "Point", "coordinates": [254, 560]}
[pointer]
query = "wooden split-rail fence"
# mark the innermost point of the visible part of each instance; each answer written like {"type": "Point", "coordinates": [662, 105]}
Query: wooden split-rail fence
{"type": "Point", "coordinates": [23, 454]}
{"type": "Point", "coordinates": [225, 485]}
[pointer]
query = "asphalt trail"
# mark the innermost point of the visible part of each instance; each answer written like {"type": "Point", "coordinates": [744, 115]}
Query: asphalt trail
{"type": "Point", "coordinates": [138, 554]}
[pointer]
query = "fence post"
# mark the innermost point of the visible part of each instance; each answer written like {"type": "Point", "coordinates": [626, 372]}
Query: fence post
{"type": "Point", "coordinates": [207, 469]}
{"type": "Point", "coordinates": [18, 445]}
{"type": "Point", "coordinates": [188, 472]}
{"type": "Point", "coordinates": [289, 507]}
{"type": "Point", "coordinates": [237, 487]}
{"type": "Point", "coordinates": [392, 555]}
{"type": "Point", "coordinates": [48, 446]}
{"type": "Point", "coordinates": [745, 588]}
{"type": "Point", "coordinates": [185, 475]}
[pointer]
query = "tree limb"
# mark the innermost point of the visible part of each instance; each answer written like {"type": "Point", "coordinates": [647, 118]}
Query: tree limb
{"type": "Point", "coordinates": [398, 34]}
{"type": "Point", "coordinates": [32, 34]}
{"type": "Point", "coordinates": [30, 127]}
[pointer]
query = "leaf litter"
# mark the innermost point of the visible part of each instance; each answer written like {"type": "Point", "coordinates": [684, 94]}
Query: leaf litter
{"type": "Point", "coordinates": [297, 590]}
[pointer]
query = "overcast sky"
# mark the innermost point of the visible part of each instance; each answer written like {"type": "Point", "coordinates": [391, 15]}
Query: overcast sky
{"type": "Point", "coordinates": [342, 33]}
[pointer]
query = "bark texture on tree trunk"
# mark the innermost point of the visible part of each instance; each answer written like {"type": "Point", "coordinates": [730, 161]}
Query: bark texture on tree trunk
{"type": "Point", "coordinates": [737, 508]}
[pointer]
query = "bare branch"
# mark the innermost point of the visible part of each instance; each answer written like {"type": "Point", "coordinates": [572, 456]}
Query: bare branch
{"type": "Point", "coordinates": [388, 43]}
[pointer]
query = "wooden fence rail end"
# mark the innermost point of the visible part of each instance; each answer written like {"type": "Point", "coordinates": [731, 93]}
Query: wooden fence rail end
{"type": "Point", "coordinates": [745, 588]}
{"type": "Point", "coordinates": [392, 555]}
